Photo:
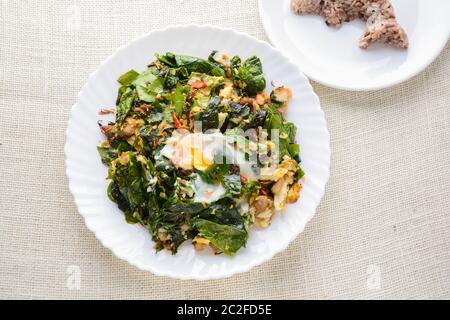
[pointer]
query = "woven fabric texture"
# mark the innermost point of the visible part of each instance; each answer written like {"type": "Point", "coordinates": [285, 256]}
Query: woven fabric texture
{"type": "Point", "coordinates": [382, 229]}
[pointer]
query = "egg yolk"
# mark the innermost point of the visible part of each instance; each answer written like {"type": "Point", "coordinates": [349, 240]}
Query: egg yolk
{"type": "Point", "coordinates": [198, 159]}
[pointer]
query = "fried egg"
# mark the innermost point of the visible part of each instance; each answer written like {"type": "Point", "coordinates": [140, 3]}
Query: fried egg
{"type": "Point", "coordinates": [191, 151]}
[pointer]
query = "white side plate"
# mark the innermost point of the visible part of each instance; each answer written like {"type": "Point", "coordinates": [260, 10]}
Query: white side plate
{"type": "Point", "coordinates": [332, 57]}
{"type": "Point", "coordinates": [132, 242]}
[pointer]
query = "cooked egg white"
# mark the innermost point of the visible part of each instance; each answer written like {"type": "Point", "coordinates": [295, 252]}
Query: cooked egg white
{"type": "Point", "coordinates": [205, 192]}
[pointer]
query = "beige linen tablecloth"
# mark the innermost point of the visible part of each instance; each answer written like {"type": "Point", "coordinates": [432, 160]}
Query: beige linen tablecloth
{"type": "Point", "coordinates": [382, 229]}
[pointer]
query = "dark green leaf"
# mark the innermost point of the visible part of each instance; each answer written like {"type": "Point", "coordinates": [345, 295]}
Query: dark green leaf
{"type": "Point", "coordinates": [291, 131]}
{"type": "Point", "coordinates": [238, 112]}
{"type": "Point", "coordinates": [286, 131]}
{"type": "Point", "coordinates": [299, 173]}
{"type": "Point", "coordinates": [134, 188]}
{"type": "Point", "coordinates": [125, 105]}
{"type": "Point", "coordinates": [148, 86]}
{"type": "Point", "coordinates": [178, 99]}
{"type": "Point", "coordinates": [181, 206]}
{"type": "Point", "coordinates": [248, 76]}
{"type": "Point", "coordinates": [210, 116]}
{"type": "Point", "coordinates": [227, 238]}
{"type": "Point", "coordinates": [294, 150]}
{"type": "Point", "coordinates": [168, 59]}
{"type": "Point", "coordinates": [121, 146]}
{"type": "Point", "coordinates": [115, 195]}
{"type": "Point", "coordinates": [128, 77]}
{"type": "Point", "coordinates": [107, 154]}
{"type": "Point", "coordinates": [223, 211]}
{"type": "Point", "coordinates": [255, 120]}
{"type": "Point", "coordinates": [150, 137]}
{"type": "Point", "coordinates": [235, 64]}
{"type": "Point", "coordinates": [171, 79]}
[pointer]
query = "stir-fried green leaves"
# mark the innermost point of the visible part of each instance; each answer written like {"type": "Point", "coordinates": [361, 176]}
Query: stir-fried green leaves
{"type": "Point", "coordinates": [200, 201]}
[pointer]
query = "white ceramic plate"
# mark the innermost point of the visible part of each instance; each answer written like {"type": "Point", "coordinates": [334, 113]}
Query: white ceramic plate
{"type": "Point", "coordinates": [332, 57]}
{"type": "Point", "coordinates": [132, 242]}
